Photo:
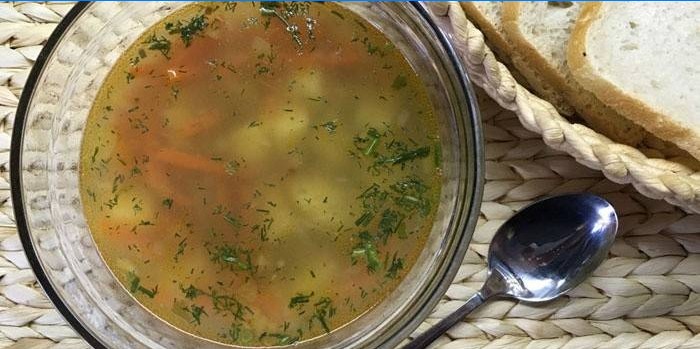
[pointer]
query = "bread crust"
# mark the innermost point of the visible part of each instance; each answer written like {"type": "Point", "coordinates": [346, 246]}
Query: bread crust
{"type": "Point", "coordinates": [524, 57]}
{"type": "Point", "coordinates": [500, 45]}
{"type": "Point", "coordinates": [598, 116]}
{"type": "Point", "coordinates": [626, 105]}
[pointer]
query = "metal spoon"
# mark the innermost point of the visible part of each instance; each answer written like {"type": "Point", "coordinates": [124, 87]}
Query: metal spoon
{"type": "Point", "coordinates": [546, 249]}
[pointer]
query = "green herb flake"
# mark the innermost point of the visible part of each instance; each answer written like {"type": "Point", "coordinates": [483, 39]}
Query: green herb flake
{"type": "Point", "coordinates": [135, 286]}
{"type": "Point", "coordinates": [94, 155]}
{"type": "Point", "coordinates": [196, 311]}
{"type": "Point", "coordinates": [368, 144]}
{"type": "Point", "coordinates": [190, 292]}
{"type": "Point", "coordinates": [228, 304]}
{"type": "Point", "coordinates": [364, 219]}
{"type": "Point", "coordinates": [411, 195]}
{"type": "Point", "coordinates": [299, 300]}
{"type": "Point", "coordinates": [399, 82]}
{"type": "Point", "coordinates": [231, 257]}
{"type": "Point", "coordinates": [323, 311]}
{"type": "Point", "coordinates": [263, 69]}
{"type": "Point", "coordinates": [395, 267]}
{"type": "Point", "coordinates": [188, 30]}
{"type": "Point", "coordinates": [180, 249]}
{"type": "Point", "coordinates": [366, 249]}
{"type": "Point", "coordinates": [160, 44]}
{"type": "Point", "coordinates": [280, 338]}
{"type": "Point", "coordinates": [233, 220]}
{"type": "Point", "coordinates": [437, 155]}
{"type": "Point", "coordinates": [406, 156]}
{"type": "Point", "coordinates": [389, 224]}
{"type": "Point", "coordinates": [168, 202]}
{"type": "Point", "coordinates": [239, 334]}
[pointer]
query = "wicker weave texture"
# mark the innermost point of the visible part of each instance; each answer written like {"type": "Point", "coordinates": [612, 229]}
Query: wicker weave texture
{"type": "Point", "coordinates": [646, 295]}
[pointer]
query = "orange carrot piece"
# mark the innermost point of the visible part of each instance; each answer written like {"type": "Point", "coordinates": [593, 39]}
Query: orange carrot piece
{"type": "Point", "coordinates": [187, 161]}
{"type": "Point", "coordinates": [202, 123]}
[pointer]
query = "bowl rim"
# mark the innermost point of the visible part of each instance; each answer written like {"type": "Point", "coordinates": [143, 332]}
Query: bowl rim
{"type": "Point", "coordinates": [15, 175]}
{"type": "Point", "coordinates": [477, 163]}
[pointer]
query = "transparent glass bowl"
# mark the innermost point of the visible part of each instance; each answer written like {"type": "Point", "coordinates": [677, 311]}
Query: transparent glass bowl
{"type": "Point", "coordinates": [45, 167]}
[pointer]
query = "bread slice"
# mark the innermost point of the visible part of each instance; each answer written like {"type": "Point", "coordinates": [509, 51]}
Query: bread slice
{"type": "Point", "coordinates": [643, 61]}
{"type": "Point", "coordinates": [539, 33]}
{"type": "Point", "coordinates": [487, 15]}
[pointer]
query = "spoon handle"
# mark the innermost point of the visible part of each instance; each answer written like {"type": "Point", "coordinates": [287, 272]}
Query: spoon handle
{"type": "Point", "coordinates": [427, 337]}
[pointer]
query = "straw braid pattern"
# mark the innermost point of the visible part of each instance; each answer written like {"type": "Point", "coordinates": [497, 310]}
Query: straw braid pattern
{"type": "Point", "coordinates": [645, 296]}
{"type": "Point", "coordinates": [656, 178]}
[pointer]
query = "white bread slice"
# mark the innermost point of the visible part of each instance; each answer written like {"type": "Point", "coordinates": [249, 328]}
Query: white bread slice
{"type": "Point", "coordinates": [487, 15]}
{"type": "Point", "coordinates": [643, 60]}
{"type": "Point", "coordinates": [539, 33]}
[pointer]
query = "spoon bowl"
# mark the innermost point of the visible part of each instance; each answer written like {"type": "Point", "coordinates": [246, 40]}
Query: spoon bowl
{"type": "Point", "coordinates": [551, 246]}
{"type": "Point", "coordinates": [543, 251]}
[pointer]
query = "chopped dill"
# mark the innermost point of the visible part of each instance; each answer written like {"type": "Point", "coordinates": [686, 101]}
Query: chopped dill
{"type": "Point", "coordinates": [190, 292]}
{"type": "Point", "coordinates": [411, 195]}
{"type": "Point", "coordinates": [180, 249]}
{"type": "Point", "coordinates": [135, 286]}
{"type": "Point", "coordinates": [280, 338]}
{"type": "Point", "coordinates": [231, 257]}
{"type": "Point", "coordinates": [399, 82]}
{"type": "Point", "coordinates": [366, 250]}
{"type": "Point", "coordinates": [323, 311]}
{"type": "Point", "coordinates": [233, 220]}
{"type": "Point", "coordinates": [299, 299]}
{"type": "Point", "coordinates": [188, 30]}
{"type": "Point", "coordinates": [196, 311]}
{"type": "Point", "coordinates": [160, 44]}
{"type": "Point", "coordinates": [227, 304]}
{"type": "Point", "coordinates": [395, 267]}
{"type": "Point", "coordinates": [389, 224]}
{"type": "Point", "coordinates": [406, 156]}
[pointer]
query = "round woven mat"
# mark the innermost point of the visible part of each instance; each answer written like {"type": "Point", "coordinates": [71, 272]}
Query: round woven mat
{"type": "Point", "coordinates": [646, 295]}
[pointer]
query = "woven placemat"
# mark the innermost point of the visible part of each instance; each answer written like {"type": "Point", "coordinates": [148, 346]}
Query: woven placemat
{"type": "Point", "coordinates": [646, 295]}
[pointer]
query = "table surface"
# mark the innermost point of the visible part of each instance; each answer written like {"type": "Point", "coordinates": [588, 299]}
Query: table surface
{"type": "Point", "coordinates": [645, 295]}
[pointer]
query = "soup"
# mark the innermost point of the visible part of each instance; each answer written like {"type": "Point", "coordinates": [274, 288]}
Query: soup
{"type": "Point", "coordinates": [260, 174]}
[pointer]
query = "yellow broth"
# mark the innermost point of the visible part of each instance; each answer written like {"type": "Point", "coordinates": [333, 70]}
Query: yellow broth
{"type": "Point", "coordinates": [256, 183]}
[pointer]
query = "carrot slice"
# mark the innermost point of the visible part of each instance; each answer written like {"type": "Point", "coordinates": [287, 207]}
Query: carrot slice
{"type": "Point", "coordinates": [202, 123]}
{"type": "Point", "coordinates": [187, 161]}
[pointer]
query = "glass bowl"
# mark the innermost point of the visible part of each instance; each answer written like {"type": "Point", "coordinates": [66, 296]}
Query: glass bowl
{"type": "Point", "coordinates": [45, 158]}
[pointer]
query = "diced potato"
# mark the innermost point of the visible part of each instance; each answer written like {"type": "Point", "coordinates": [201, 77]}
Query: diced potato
{"type": "Point", "coordinates": [288, 128]}
{"type": "Point", "coordinates": [251, 143]}
{"type": "Point", "coordinates": [309, 83]}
